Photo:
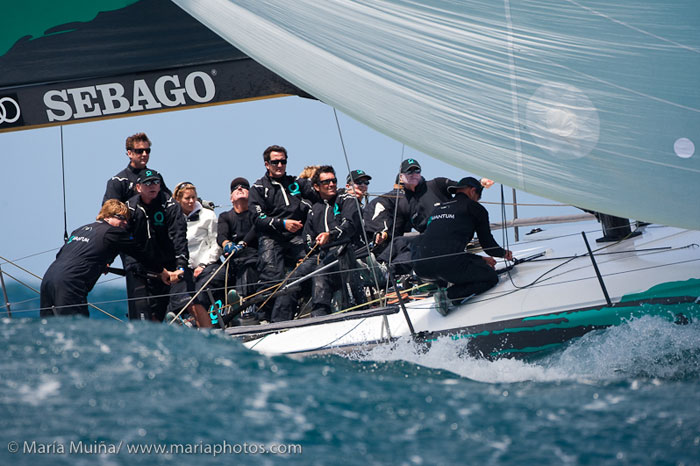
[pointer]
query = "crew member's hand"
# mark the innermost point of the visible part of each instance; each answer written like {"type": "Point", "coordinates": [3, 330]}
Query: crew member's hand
{"type": "Point", "coordinates": [490, 261]}
{"type": "Point", "coordinates": [233, 249]}
{"type": "Point", "coordinates": [323, 238]}
{"type": "Point", "coordinates": [107, 271]}
{"type": "Point", "coordinates": [292, 225]}
{"type": "Point", "coordinates": [198, 270]}
{"type": "Point", "coordinates": [165, 276]}
{"type": "Point", "coordinates": [509, 255]}
{"type": "Point", "coordinates": [379, 238]}
{"type": "Point", "coordinates": [176, 276]}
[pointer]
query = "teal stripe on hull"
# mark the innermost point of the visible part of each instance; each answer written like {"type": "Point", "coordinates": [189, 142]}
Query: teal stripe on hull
{"type": "Point", "coordinates": [672, 301]}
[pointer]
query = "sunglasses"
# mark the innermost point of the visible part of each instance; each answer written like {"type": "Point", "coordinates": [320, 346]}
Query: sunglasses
{"type": "Point", "coordinates": [362, 182]}
{"type": "Point", "coordinates": [147, 150]}
{"type": "Point", "coordinates": [150, 182]}
{"type": "Point", "coordinates": [329, 181]}
{"type": "Point", "coordinates": [413, 171]}
{"type": "Point", "coordinates": [119, 217]}
{"type": "Point", "coordinates": [278, 162]}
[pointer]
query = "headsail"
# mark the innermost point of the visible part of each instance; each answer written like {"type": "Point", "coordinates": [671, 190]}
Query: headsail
{"type": "Point", "coordinates": [592, 103]}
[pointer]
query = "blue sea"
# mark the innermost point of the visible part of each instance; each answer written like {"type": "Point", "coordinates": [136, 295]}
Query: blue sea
{"type": "Point", "coordinates": [98, 391]}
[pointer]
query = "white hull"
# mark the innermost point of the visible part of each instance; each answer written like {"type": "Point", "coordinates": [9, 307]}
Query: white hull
{"type": "Point", "coordinates": [661, 255]}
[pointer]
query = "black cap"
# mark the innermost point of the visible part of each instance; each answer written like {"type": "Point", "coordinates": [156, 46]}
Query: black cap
{"type": "Point", "coordinates": [408, 164]}
{"type": "Point", "coordinates": [240, 181]}
{"type": "Point", "coordinates": [357, 175]}
{"type": "Point", "coordinates": [466, 182]}
{"type": "Point", "coordinates": [148, 175]}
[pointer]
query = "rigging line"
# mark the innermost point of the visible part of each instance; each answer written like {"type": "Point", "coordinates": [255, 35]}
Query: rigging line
{"type": "Point", "coordinates": [396, 211]}
{"type": "Point", "coordinates": [287, 277]}
{"type": "Point", "coordinates": [37, 291]}
{"type": "Point", "coordinates": [202, 288]}
{"type": "Point", "coordinates": [63, 175]}
{"type": "Point", "coordinates": [31, 255]}
{"type": "Point", "coordinates": [357, 202]}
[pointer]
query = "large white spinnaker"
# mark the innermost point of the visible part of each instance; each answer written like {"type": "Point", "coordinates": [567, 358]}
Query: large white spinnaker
{"type": "Point", "coordinates": [592, 103]}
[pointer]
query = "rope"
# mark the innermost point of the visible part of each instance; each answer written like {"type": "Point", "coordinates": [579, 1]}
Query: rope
{"type": "Point", "coordinates": [63, 175]}
{"type": "Point", "coordinates": [277, 287]}
{"type": "Point", "coordinates": [357, 202]}
{"type": "Point", "coordinates": [201, 289]}
{"type": "Point", "coordinates": [38, 292]}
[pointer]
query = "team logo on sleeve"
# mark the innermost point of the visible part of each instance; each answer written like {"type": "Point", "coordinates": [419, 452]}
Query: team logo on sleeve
{"type": "Point", "coordinates": [294, 189]}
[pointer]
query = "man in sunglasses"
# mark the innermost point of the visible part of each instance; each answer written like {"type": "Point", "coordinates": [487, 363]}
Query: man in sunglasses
{"type": "Point", "coordinates": [85, 256]}
{"type": "Point", "coordinates": [280, 203]}
{"type": "Point", "coordinates": [440, 252]}
{"type": "Point", "coordinates": [333, 226]}
{"type": "Point", "coordinates": [357, 184]}
{"type": "Point", "coordinates": [157, 222]}
{"type": "Point", "coordinates": [122, 186]}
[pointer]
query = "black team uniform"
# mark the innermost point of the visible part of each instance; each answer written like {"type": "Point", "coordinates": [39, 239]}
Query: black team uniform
{"type": "Point", "coordinates": [379, 216]}
{"type": "Point", "coordinates": [161, 227]}
{"type": "Point", "coordinates": [272, 200]}
{"type": "Point", "coordinates": [122, 186]}
{"type": "Point", "coordinates": [79, 264]}
{"type": "Point", "coordinates": [449, 228]}
{"type": "Point", "coordinates": [340, 218]}
{"type": "Point", "coordinates": [237, 227]}
{"type": "Point", "coordinates": [424, 198]}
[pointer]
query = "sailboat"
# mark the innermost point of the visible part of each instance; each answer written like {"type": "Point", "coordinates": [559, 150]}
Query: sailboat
{"type": "Point", "coordinates": [596, 106]}
{"type": "Point", "coordinates": [567, 108]}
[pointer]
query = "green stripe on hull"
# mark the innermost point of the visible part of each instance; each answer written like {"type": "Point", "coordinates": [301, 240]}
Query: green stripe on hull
{"type": "Point", "coordinates": [687, 291]}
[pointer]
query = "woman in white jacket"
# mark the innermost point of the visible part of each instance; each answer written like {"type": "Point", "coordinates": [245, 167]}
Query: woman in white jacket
{"type": "Point", "coordinates": [204, 251]}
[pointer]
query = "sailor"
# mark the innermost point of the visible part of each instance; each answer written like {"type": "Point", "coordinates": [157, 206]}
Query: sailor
{"type": "Point", "coordinates": [85, 256]}
{"type": "Point", "coordinates": [334, 225]}
{"type": "Point", "coordinates": [440, 252]}
{"type": "Point", "coordinates": [236, 235]}
{"type": "Point", "coordinates": [382, 213]}
{"type": "Point", "coordinates": [122, 186]}
{"type": "Point", "coordinates": [204, 254]}
{"type": "Point", "coordinates": [422, 196]}
{"type": "Point", "coordinates": [357, 184]}
{"type": "Point", "coordinates": [280, 203]}
{"type": "Point", "coordinates": [158, 223]}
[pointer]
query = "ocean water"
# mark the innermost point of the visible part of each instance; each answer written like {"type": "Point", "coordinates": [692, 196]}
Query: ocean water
{"type": "Point", "coordinates": [97, 391]}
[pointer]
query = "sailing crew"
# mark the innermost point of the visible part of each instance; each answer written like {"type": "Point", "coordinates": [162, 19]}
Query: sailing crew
{"type": "Point", "coordinates": [204, 254]}
{"type": "Point", "coordinates": [440, 252]}
{"type": "Point", "coordinates": [85, 256]}
{"type": "Point", "coordinates": [333, 224]}
{"type": "Point", "coordinates": [158, 223]}
{"type": "Point", "coordinates": [236, 235]}
{"type": "Point", "coordinates": [280, 203]}
{"type": "Point", "coordinates": [122, 186]}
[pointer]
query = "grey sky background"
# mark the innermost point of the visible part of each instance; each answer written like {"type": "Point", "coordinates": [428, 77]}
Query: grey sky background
{"type": "Point", "coordinates": [208, 146]}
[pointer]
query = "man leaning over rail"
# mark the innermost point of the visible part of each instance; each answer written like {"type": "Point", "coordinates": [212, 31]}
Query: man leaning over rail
{"type": "Point", "coordinates": [440, 252]}
{"type": "Point", "coordinates": [85, 256]}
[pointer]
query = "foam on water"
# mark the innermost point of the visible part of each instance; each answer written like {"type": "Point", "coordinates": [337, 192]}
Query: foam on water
{"type": "Point", "coordinates": [646, 347]}
{"type": "Point", "coordinates": [88, 380]}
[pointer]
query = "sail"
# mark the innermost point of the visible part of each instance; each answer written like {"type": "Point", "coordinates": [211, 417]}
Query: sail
{"type": "Point", "coordinates": [63, 62]}
{"type": "Point", "coordinates": [589, 102]}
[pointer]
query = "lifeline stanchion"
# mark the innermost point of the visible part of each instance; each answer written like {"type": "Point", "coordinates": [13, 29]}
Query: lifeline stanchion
{"type": "Point", "coordinates": [597, 271]}
{"type": "Point", "coordinates": [4, 293]}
